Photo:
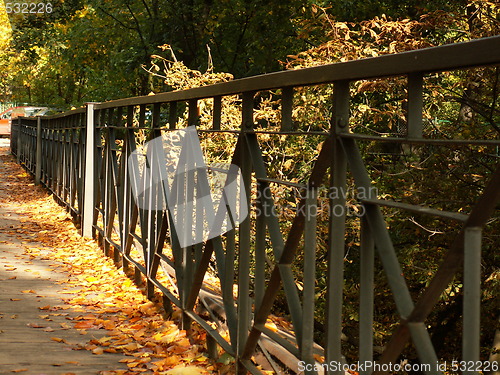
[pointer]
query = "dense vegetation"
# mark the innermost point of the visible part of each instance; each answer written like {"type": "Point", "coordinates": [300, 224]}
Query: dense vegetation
{"type": "Point", "coordinates": [89, 50]}
{"type": "Point", "coordinates": [94, 51]}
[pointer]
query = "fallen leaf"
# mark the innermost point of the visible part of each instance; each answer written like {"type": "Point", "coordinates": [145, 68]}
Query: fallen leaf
{"type": "Point", "coordinates": [20, 370]}
{"type": "Point", "coordinates": [190, 370]}
{"type": "Point", "coordinates": [271, 326]}
{"type": "Point", "coordinates": [84, 325]}
{"type": "Point", "coordinates": [98, 351]}
{"type": "Point", "coordinates": [57, 339]}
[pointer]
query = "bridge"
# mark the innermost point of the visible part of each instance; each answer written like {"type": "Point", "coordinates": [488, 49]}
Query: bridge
{"type": "Point", "coordinates": [232, 284]}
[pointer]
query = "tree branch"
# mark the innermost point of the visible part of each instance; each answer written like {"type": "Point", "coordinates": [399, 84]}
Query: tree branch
{"type": "Point", "coordinates": [116, 19]}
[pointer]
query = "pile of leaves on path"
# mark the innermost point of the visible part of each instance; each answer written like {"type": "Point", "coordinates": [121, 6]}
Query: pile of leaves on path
{"type": "Point", "coordinates": [102, 295]}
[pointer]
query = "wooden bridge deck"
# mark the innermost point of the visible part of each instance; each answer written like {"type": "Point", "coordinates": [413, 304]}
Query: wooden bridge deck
{"type": "Point", "coordinates": [35, 339]}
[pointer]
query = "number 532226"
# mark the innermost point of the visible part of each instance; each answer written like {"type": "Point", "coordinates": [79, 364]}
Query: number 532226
{"type": "Point", "coordinates": [28, 8]}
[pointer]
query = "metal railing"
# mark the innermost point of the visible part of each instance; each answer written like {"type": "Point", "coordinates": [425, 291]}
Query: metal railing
{"type": "Point", "coordinates": [81, 156]}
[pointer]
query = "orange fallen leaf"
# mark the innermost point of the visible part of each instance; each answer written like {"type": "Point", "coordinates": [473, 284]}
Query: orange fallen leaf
{"type": "Point", "coordinates": [20, 370]}
{"type": "Point", "coordinates": [84, 325]}
{"type": "Point", "coordinates": [57, 339]}
{"type": "Point", "coordinates": [132, 346]}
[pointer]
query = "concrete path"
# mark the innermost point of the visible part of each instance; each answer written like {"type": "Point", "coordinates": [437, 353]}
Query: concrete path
{"type": "Point", "coordinates": [36, 334]}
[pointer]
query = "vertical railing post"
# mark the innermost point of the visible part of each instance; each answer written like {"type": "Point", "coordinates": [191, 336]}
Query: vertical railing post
{"type": "Point", "coordinates": [415, 105]}
{"type": "Point", "coordinates": [89, 195]}
{"type": "Point", "coordinates": [19, 147]}
{"type": "Point", "coordinates": [307, 344]}
{"type": "Point", "coordinates": [286, 109]}
{"type": "Point", "coordinates": [336, 246]}
{"type": "Point", "coordinates": [244, 245]}
{"type": "Point", "coordinates": [472, 297]}
{"type": "Point", "coordinates": [38, 161]}
{"type": "Point", "coordinates": [366, 288]}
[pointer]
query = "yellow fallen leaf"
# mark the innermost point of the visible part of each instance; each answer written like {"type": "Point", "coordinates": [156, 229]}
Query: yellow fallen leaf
{"type": "Point", "coordinates": [271, 326]}
{"type": "Point", "coordinates": [126, 360]}
{"type": "Point", "coordinates": [190, 370]}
